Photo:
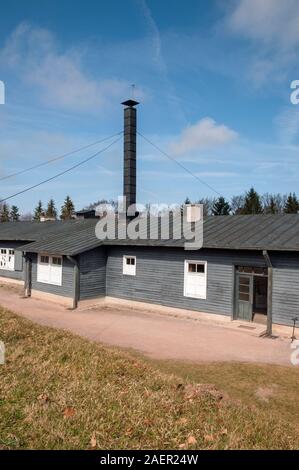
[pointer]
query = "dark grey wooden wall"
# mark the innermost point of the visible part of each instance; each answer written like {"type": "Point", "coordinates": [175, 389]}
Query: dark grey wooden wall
{"type": "Point", "coordinates": [160, 276]}
{"type": "Point", "coordinates": [285, 287]}
{"type": "Point", "coordinates": [92, 273]}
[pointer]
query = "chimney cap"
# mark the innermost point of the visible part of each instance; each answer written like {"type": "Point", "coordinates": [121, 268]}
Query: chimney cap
{"type": "Point", "coordinates": [130, 103]}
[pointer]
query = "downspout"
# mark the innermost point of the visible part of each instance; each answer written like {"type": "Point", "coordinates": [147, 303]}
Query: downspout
{"type": "Point", "coordinates": [269, 293]}
{"type": "Point", "coordinates": [28, 276]}
{"type": "Point", "coordinates": [76, 285]}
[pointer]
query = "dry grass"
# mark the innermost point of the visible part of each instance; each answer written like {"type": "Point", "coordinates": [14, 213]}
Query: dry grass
{"type": "Point", "coordinates": [58, 391]}
{"type": "Point", "coordinates": [271, 389]}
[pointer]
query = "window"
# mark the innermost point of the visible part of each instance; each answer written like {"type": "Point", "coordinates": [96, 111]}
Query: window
{"type": "Point", "coordinates": [129, 265]}
{"type": "Point", "coordinates": [49, 269]}
{"type": "Point", "coordinates": [256, 270]}
{"type": "Point", "coordinates": [196, 268]}
{"type": "Point", "coordinates": [56, 260]}
{"type": "Point", "coordinates": [7, 259]}
{"type": "Point", "coordinates": [195, 279]}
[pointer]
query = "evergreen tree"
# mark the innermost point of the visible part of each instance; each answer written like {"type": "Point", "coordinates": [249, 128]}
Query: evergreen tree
{"type": "Point", "coordinates": [221, 207]}
{"type": "Point", "coordinates": [14, 214]}
{"type": "Point", "coordinates": [187, 200]}
{"type": "Point", "coordinates": [51, 210]}
{"type": "Point", "coordinates": [4, 216]}
{"type": "Point", "coordinates": [38, 211]}
{"type": "Point", "coordinates": [252, 203]}
{"type": "Point", "coordinates": [292, 204]}
{"type": "Point", "coordinates": [68, 209]}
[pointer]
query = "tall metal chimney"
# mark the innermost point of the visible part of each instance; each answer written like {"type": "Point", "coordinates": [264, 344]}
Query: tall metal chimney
{"type": "Point", "coordinates": [130, 152]}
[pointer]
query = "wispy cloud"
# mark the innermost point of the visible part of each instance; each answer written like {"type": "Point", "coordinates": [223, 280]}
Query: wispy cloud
{"type": "Point", "coordinates": [59, 77]}
{"type": "Point", "coordinates": [269, 21]}
{"type": "Point", "coordinates": [273, 29]}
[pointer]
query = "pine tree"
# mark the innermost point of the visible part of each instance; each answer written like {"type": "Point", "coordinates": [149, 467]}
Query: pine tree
{"type": "Point", "coordinates": [68, 209]}
{"type": "Point", "coordinates": [38, 211]}
{"type": "Point", "coordinates": [4, 216]}
{"type": "Point", "coordinates": [14, 214]}
{"type": "Point", "coordinates": [292, 204]}
{"type": "Point", "coordinates": [187, 200]}
{"type": "Point", "coordinates": [221, 207]}
{"type": "Point", "coordinates": [51, 210]}
{"type": "Point", "coordinates": [252, 203]}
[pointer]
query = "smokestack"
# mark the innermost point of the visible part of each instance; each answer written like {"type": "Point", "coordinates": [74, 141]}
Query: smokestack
{"type": "Point", "coordinates": [130, 152]}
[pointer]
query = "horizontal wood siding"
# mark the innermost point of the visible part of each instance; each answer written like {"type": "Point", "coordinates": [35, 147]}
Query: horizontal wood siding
{"type": "Point", "coordinates": [18, 273]}
{"type": "Point", "coordinates": [67, 287]}
{"type": "Point", "coordinates": [285, 287]}
{"type": "Point", "coordinates": [92, 274]}
{"type": "Point", "coordinates": [160, 276]}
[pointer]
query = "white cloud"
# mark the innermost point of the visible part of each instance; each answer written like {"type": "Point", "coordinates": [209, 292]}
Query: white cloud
{"type": "Point", "coordinates": [270, 21]}
{"type": "Point", "coordinates": [59, 77]}
{"type": "Point", "coordinates": [272, 27]}
{"type": "Point", "coordinates": [204, 134]}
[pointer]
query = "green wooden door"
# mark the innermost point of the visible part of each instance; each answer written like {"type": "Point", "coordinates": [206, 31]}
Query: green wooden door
{"type": "Point", "coordinates": [244, 296]}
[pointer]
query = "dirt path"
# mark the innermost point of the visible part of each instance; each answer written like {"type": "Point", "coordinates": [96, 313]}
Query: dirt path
{"type": "Point", "coordinates": [158, 336]}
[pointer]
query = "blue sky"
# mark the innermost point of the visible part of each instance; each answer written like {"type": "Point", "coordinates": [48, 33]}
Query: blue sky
{"type": "Point", "coordinates": [213, 80]}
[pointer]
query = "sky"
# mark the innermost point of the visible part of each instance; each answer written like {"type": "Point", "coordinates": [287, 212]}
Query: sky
{"type": "Point", "coordinates": [212, 78]}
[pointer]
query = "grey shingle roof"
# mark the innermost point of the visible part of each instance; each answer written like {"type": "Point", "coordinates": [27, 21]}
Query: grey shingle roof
{"type": "Point", "coordinates": [31, 231]}
{"type": "Point", "coordinates": [244, 232]}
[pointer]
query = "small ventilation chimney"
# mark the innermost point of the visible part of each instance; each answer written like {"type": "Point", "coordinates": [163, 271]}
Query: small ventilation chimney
{"type": "Point", "coordinates": [130, 152]}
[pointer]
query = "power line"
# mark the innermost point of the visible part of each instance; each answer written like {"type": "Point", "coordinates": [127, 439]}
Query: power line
{"type": "Point", "coordinates": [62, 172]}
{"type": "Point", "coordinates": [179, 164]}
{"type": "Point", "coordinates": [60, 157]}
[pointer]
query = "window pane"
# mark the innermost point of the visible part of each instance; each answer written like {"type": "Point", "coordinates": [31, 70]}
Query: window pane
{"type": "Point", "coordinates": [244, 289]}
{"type": "Point", "coordinates": [260, 271]}
{"type": "Point", "coordinates": [244, 280]}
{"type": "Point", "coordinates": [248, 269]}
{"type": "Point", "coordinates": [192, 268]}
{"type": "Point", "coordinates": [244, 297]}
{"type": "Point", "coordinates": [44, 259]}
{"type": "Point", "coordinates": [56, 260]}
{"type": "Point", "coordinates": [133, 261]}
{"type": "Point", "coordinates": [200, 268]}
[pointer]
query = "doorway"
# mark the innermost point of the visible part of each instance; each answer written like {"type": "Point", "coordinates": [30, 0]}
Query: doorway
{"type": "Point", "coordinates": [251, 294]}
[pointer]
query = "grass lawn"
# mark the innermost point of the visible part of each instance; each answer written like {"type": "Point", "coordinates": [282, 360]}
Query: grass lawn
{"type": "Point", "coordinates": [59, 391]}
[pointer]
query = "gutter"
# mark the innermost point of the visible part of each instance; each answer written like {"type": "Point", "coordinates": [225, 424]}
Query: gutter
{"type": "Point", "coordinates": [269, 294]}
{"type": "Point", "coordinates": [76, 284]}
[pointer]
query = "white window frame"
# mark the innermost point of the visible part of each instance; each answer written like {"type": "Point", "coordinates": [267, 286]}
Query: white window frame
{"type": "Point", "coordinates": [129, 269]}
{"type": "Point", "coordinates": [201, 276]}
{"type": "Point", "coordinates": [53, 273]}
{"type": "Point", "coordinates": [7, 258]}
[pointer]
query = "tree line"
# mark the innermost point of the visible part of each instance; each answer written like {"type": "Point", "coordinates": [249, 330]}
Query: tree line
{"type": "Point", "coordinates": [251, 202]}
{"type": "Point", "coordinates": [12, 214]}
